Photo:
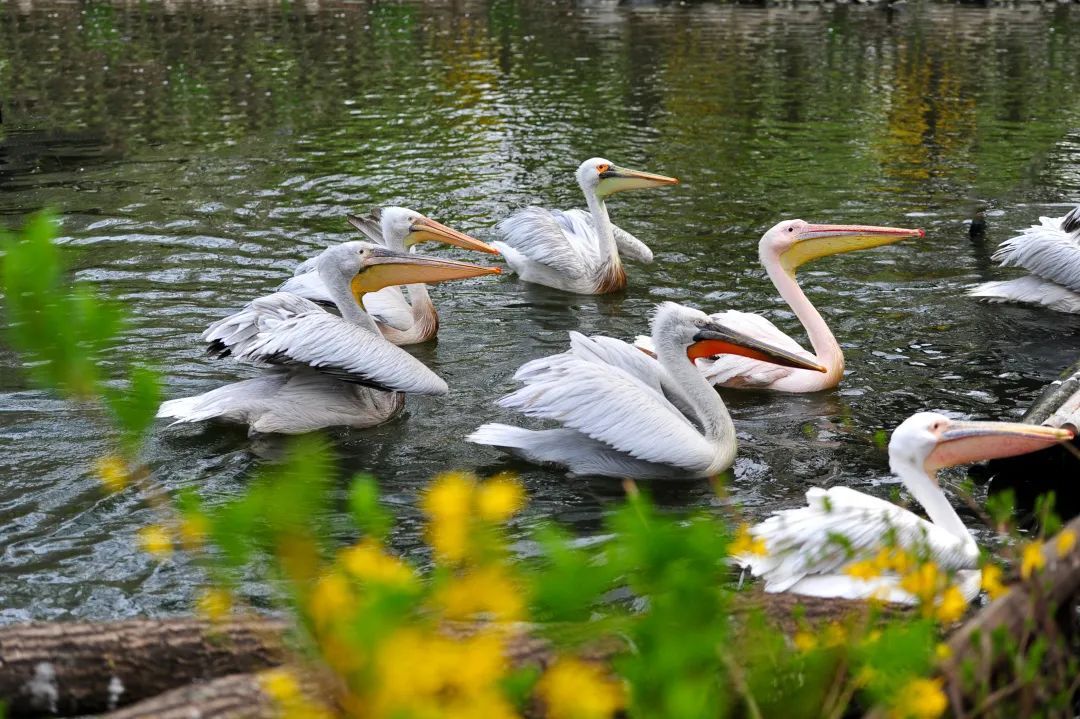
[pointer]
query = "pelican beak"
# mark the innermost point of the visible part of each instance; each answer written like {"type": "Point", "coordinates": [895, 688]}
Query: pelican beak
{"type": "Point", "coordinates": [823, 240]}
{"type": "Point", "coordinates": [616, 179]}
{"type": "Point", "coordinates": [967, 442]}
{"type": "Point", "coordinates": [386, 268]}
{"type": "Point", "coordinates": [715, 339]}
{"type": "Point", "coordinates": [428, 230]}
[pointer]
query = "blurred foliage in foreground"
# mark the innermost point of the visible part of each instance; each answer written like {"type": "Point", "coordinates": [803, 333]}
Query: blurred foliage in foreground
{"type": "Point", "coordinates": [384, 640]}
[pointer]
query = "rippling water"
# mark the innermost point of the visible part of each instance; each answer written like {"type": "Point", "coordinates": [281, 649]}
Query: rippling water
{"type": "Point", "coordinates": [199, 151]}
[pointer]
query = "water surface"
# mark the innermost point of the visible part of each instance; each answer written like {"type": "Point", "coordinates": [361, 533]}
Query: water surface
{"type": "Point", "coordinates": [197, 152]}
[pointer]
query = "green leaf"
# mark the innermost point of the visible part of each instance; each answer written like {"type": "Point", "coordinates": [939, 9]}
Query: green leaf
{"type": "Point", "coordinates": [366, 509]}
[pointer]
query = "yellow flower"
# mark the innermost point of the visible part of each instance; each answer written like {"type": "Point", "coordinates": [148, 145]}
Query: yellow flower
{"type": "Point", "coordinates": [573, 689]}
{"type": "Point", "coordinates": [942, 652]}
{"type": "Point", "coordinates": [450, 496]}
{"type": "Point", "coordinates": [745, 543]}
{"type": "Point", "coordinates": [193, 530]}
{"type": "Point", "coordinates": [804, 641]}
{"type": "Point", "coordinates": [952, 605]}
{"type": "Point", "coordinates": [1065, 542]}
{"type": "Point", "coordinates": [835, 635]}
{"type": "Point", "coordinates": [894, 559]}
{"type": "Point", "coordinates": [369, 562]}
{"type": "Point", "coordinates": [214, 604]}
{"type": "Point", "coordinates": [864, 570]}
{"type": "Point", "coordinates": [1031, 558]}
{"type": "Point", "coordinates": [280, 685]}
{"type": "Point", "coordinates": [991, 581]}
{"type": "Point", "coordinates": [155, 540]}
{"type": "Point", "coordinates": [112, 472]}
{"type": "Point", "coordinates": [922, 582]}
{"type": "Point", "coordinates": [331, 597]}
{"type": "Point", "coordinates": [500, 498]}
{"type": "Point", "coordinates": [487, 591]}
{"type": "Point", "coordinates": [920, 699]}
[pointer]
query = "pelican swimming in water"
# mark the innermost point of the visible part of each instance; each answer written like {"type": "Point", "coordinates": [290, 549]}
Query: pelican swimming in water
{"type": "Point", "coordinates": [808, 549]}
{"type": "Point", "coordinates": [325, 370]}
{"type": "Point", "coordinates": [625, 414]}
{"type": "Point", "coordinates": [402, 321]}
{"type": "Point", "coordinates": [1050, 251]}
{"type": "Point", "coordinates": [781, 251]}
{"type": "Point", "coordinates": [574, 250]}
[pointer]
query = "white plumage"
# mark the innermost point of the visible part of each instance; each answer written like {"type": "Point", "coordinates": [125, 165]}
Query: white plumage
{"type": "Point", "coordinates": [1050, 251]}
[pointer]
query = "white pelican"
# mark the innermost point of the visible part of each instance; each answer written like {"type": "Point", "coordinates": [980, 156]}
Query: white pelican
{"type": "Point", "coordinates": [326, 370]}
{"type": "Point", "coordinates": [781, 251]}
{"type": "Point", "coordinates": [625, 414]}
{"type": "Point", "coordinates": [807, 549]}
{"type": "Point", "coordinates": [577, 251]}
{"type": "Point", "coordinates": [1050, 251]}
{"type": "Point", "coordinates": [402, 321]}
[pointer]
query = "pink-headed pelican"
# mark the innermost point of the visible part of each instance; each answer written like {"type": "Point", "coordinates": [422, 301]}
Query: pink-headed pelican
{"type": "Point", "coordinates": [782, 250]}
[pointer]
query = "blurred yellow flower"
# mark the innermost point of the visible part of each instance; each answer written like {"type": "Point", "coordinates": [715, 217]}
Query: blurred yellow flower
{"type": "Point", "coordinates": [330, 599]}
{"type": "Point", "coordinates": [368, 561]}
{"type": "Point", "coordinates": [952, 605]}
{"type": "Point", "coordinates": [1065, 542]}
{"type": "Point", "coordinates": [991, 581]}
{"type": "Point", "coordinates": [745, 543]}
{"type": "Point", "coordinates": [894, 559]}
{"type": "Point", "coordinates": [450, 496]}
{"type": "Point", "coordinates": [500, 498]}
{"type": "Point", "coordinates": [193, 530]}
{"type": "Point", "coordinates": [214, 604]}
{"type": "Point", "coordinates": [804, 641]}
{"type": "Point", "coordinates": [1031, 558]}
{"type": "Point", "coordinates": [922, 582]}
{"type": "Point", "coordinates": [487, 592]}
{"type": "Point", "coordinates": [280, 685]}
{"type": "Point", "coordinates": [942, 652]}
{"type": "Point", "coordinates": [835, 635]}
{"type": "Point", "coordinates": [920, 699]}
{"type": "Point", "coordinates": [112, 472]}
{"type": "Point", "coordinates": [864, 570]}
{"type": "Point", "coordinates": [573, 689]}
{"type": "Point", "coordinates": [155, 540]}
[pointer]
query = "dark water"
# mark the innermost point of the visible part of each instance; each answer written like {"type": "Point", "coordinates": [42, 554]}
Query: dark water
{"type": "Point", "coordinates": [199, 151]}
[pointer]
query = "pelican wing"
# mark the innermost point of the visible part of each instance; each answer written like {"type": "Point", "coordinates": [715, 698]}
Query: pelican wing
{"type": "Point", "coordinates": [839, 526]}
{"type": "Point", "coordinates": [389, 307]}
{"type": "Point", "coordinates": [1048, 250]}
{"type": "Point", "coordinates": [538, 234]}
{"type": "Point", "coordinates": [307, 285]}
{"type": "Point", "coordinates": [283, 329]}
{"type": "Point", "coordinates": [581, 222]}
{"type": "Point", "coordinates": [610, 404]}
{"type": "Point", "coordinates": [1029, 289]}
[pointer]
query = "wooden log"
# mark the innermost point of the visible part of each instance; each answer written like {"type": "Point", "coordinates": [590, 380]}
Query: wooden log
{"type": "Point", "coordinates": [236, 696]}
{"type": "Point", "coordinates": [67, 668]}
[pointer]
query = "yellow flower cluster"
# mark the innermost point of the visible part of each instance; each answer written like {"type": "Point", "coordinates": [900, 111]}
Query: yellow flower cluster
{"type": "Point", "coordinates": [112, 472]}
{"type": "Point", "coordinates": [991, 581]}
{"type": "Point", "coordinates": [1032, 558]}
{"type": "Point", "coordinates": [214, 604]}
{"type": "Point", "coordinates": [920, 699]}
{"type": "Point", "coordinates": [155, 540]}
{"type": "Point", "coordinates": [922, 579]}
{"type": "Point", "coordinates": [573, 689]}
{"type": "Point", "coordinates": [746, 544]}
{"type": "Point", "coordinates": [1065, 542]}
{"type": "Point", "coordinates": [487, 592]}
{"type": "Point", "coordinates": [458, 507]}
{"type": "Point", "coordinates": [368, 561]}
{"type": "Point", "coordinates": [421, 673]}
{"type": "Point", "coordinates": [282, 686]}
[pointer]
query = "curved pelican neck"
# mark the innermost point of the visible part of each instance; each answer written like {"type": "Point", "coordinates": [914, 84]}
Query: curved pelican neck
{"type": "Point", "coordinates": [927, 493]}
{"type": "Point", "coordinates": [826, 348]}
{"type": "Point", "coordinates": [698, 394]}
{"type": "Point", "coordinates": [351, 311]}
{"type": "Point", "coordinates": [609, 252]}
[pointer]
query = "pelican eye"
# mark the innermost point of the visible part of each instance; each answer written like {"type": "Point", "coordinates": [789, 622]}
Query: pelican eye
{"type": "Point", "coordinates": [603, 168]}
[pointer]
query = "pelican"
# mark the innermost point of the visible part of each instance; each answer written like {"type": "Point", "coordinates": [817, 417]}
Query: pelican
{"type": "Point", "coordinates": [781, 251]}
{"type": "Point", "coordinates": [807, 549]}
{"type": "Point", "coordinates": [402, 321]}
{"type": "Point", "coordinates": [1050, 251]}
{"type": "Point", "coordinates": [625, 414]}
{"type": "Point", "coordinates": [574, 250]}
{"type": "Point", "coordinates": [325, 370]}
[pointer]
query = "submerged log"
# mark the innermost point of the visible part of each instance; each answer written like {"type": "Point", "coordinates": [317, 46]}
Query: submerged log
{"type": "Point", "coordinates": [236, 696]}
{"type": "Point", "coordinates": [89, 667]}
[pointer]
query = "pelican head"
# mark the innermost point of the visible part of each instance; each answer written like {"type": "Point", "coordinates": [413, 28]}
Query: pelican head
{"type": "Point", "coordinates": [604, 178]}
{"type": "Point", "coordinates": [368, 267]}
{"type": "Point", "coordinates": [401, 227]}
{"type": "Point", "coordinates": [795, 242]}
{"type": "Point", "coordinates": [933, 441]}
{"type": "Point", "coordinates": [698, 335]}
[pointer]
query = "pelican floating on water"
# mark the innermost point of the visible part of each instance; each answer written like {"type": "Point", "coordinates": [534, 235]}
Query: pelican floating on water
{"type": "Point", "coordinates": [782, 250]}
{"type": "Point", "coordinates": [402, 321]}
{"type": "Point", "coordinates": [808, 549]}
{"type": "Point", "coordinates": [326, 370]}
{"type": "Point", "coordinates": [1050, 251]}
{"type": "Point", "coordinates": [625, 414]}
{"type": "Point", "coordinates": [574, 250]}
